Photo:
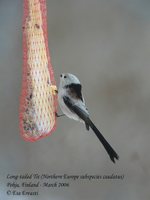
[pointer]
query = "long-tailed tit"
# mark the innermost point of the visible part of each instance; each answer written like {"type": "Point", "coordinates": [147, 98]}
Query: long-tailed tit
{"type": "Point", "coordinates": [73, 106]}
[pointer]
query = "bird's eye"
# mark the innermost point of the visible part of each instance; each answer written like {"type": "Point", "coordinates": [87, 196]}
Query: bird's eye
{"type": "Point", "coordinates": [65, 76]}
{"type": "Point", "coordinates": [61, 75]}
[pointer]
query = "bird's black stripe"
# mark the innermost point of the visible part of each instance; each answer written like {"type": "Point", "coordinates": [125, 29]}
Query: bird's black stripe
{"type": "Point", "coordinates": [75, 90]}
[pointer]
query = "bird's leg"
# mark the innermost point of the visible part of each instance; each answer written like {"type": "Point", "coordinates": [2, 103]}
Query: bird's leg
{"type": "Point", "coordinates": [57, 115]}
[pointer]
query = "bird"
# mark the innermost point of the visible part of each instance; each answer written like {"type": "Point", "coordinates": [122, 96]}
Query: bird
{"type": "Point", "coordinates": [72, 104]}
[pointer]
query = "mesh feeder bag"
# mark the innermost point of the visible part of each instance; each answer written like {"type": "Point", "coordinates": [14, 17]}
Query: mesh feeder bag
{"type": "Point", "coordinates": [38, 98]}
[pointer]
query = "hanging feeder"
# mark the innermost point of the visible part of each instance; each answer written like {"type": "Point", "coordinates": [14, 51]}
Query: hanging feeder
{"type": "Point", "coordinates": [38, 103]}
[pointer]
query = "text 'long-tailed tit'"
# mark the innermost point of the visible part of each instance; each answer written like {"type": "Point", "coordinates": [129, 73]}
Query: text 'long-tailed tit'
{"type": "Point", "coordinates": [73, 106]}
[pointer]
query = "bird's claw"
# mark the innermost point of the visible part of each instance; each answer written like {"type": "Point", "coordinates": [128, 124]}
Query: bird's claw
{"type": "Point", "coordinates": [59, 115]}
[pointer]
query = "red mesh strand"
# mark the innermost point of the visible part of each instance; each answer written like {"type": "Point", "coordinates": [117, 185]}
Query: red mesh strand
{"type": "Point", "coordinates": [38, 104]}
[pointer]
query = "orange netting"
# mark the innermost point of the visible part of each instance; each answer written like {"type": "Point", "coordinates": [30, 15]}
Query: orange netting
{"type": "Point", "coordinates": [38, 102]}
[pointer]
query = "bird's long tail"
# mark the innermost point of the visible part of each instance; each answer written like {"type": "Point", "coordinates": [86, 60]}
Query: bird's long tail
{"type": "Point", "coordinates": [111, 152]}
{"type": "Point", "coordinates": [85, 117]}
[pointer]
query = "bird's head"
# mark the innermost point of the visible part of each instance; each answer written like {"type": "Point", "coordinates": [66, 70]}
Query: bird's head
{"type": "Point", "coordinates": [67, 79]}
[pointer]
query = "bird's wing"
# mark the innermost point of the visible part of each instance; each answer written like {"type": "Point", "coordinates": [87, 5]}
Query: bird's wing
{"type": "Point", "coordinates": [75, 91]}
{"type": "Point", "coordinates": [76, 109]}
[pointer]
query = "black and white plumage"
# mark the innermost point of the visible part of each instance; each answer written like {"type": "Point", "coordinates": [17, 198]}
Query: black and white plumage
{"type": "Point", "coordinates": [73, 106]}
